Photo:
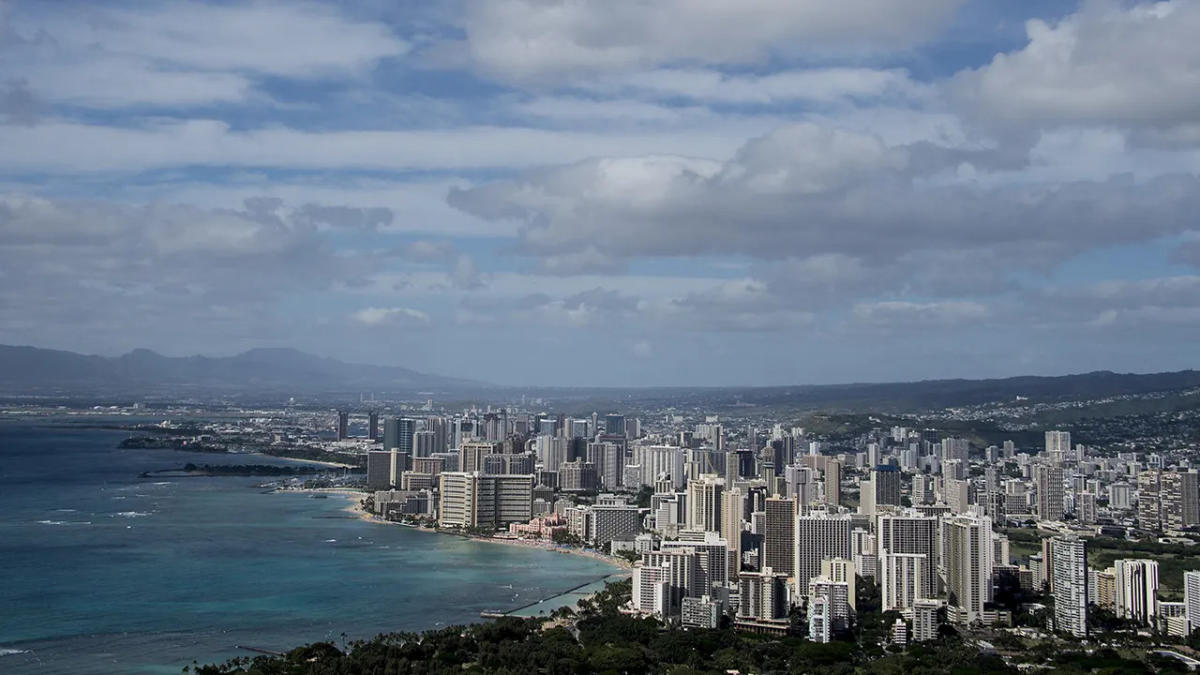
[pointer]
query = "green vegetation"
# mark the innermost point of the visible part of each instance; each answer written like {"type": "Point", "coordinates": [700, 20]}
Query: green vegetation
{"type": "Point", "coordinates": [1173, 559]}
{"type": "Point", "coordinates": [240, 470]}
{"type": "Point", "coordinates": [599, 639]}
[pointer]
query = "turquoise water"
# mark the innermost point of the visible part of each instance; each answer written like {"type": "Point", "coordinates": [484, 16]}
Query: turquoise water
{"type": "Point", "coordinates": [104, 572]}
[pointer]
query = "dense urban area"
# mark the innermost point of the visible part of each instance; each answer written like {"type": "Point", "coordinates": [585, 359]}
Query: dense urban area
{"type": "Point", "coordinates": [964, 538]}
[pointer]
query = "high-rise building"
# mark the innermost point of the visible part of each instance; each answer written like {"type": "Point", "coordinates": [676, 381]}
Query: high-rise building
{"type": "Point", "coordinates": [1058, 446]}
{"type": "Point", "coordinates": [1179, 496]}
{"type": "Point", "coordinates": [660, 460]}
{"type": "Point", "coordinates": [398, 433]}
{"type": "Point", "coordinates": [922, 489]}
{"type": "Point", "coordinates": [1049, 492]}
{"type": "Point", "coordinates": [955, 448]}
{"type": "Point", "coordinates": [833, 482]}
{"type": "Point", "coordinates": [843, 571]}
{"type": "Point", "coordinates": [863, 553]}
{"type": "Point", "coordinates": [712, 553]}
{"type": "Point", "coordinates": [384, 469]}
{"type": "Point", "coordinates": [701, 612]}
{"type": "Point", "coordinates": [1069, 560]}
{"type": "Point", "coordinates": [1149, 505]}
{"type": "Point", "coordinates": [1137, 590]}
{"type": "Point", "coordinates": [912, 533]}
{"type": "Point", "coordinates": [343, 425]}
{"type": "Point", "coordinates": [471, 499]}
{"type": "Point", "coordinates": [425, 443]}
{"type": "Point", "coordinates": [1085, 508]}
{"type": "Point", "coordinates": [967, 554]}
{"type": "Point", "coordinates": [1191, 599]}
{"type": "Point", "coordinates": [577, 476]}
{"type": "Point", "coordinates": [925, 619]}
{"type": "Point", "coordinates": [778, 543]}
{"type": "Point", "coordinates": [958, 495]}
{"type": "Point", "coordinates": [471, 454]}
{"type": "Point", "coordinates": [885, 478]}
{"type": "Point", "coordinates": [819, 536]}
{"type": "Point", "coordinates": [684, 576]}
{"type": "Point", "coordinates": [613, 521]}
{"type": "Point", "coordinates": [733, 509]}
{"type": "Point", "coordinates": [820, 628]}
{"type": "Point", "coordinates": [763, 595]}
{"type": "Point", "coordinates": [837, 593]}
{"type": "Point", "coordinates": [704, 503]}
{"type": "Point", "coordinates": [609, 459]}
{"type": "Point", "coordinates": [614, 424]}
{"type": "Point", "coordinates": [801, 486]}
{"type": "Point", "coordinates": [903, 579]}
{"type": "Point", "coordinates": [1104, 589]}
{"type": "Point", "coordinates": [373, 425]}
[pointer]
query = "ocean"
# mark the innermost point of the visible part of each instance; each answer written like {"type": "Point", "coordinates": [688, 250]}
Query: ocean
{"type": "Point", "coordinates": [102, 571]}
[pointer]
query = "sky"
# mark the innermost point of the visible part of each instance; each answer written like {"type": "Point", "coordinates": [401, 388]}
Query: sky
{"type": "Point", "coordinates": [619, 193]}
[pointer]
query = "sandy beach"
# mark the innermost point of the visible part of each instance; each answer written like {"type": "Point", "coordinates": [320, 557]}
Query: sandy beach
{"type": "Point", "coordinates": [354, 508]}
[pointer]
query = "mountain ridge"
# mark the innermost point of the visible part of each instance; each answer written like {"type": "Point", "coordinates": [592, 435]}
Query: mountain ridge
{"type": "Point", "coordinates": [28, 369]}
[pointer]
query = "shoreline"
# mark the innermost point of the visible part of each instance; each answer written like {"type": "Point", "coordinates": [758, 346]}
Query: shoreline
{"type": "Point", "coordinates": [538, 544]}
{"type": "Point", "coordinates": [623, 568]}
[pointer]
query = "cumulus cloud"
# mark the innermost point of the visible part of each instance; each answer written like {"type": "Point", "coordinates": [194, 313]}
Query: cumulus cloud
{"type": "Point", "coordinates": [524, 40]}
{"type": "Point", "coordinates": [71, 148]}
{"type": "Point", "coordinates": [806, 190]}
{"type": "Point", "coordinates": [425, 251]}
{"type": "Point", "coordinates": [1109, 63]}
{"type": "Point", "coordinates": [190, 53]}
{"type": "Point", "coordinates": [916, 314]}
{"type": "Point", "coordinates": [390, 316]}
{"type": "Point", "coordinates": [362, 219]}
{"type": "Point", "coordinates": [465, 273]}
{"type": "Point", "coordinates": [819, 85]}
{"type": "Point", "coordinates": [75, 268]}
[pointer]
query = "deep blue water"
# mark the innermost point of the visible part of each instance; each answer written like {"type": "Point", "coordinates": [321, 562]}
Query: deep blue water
{"type": "Point", "coordinates": [102, 571]}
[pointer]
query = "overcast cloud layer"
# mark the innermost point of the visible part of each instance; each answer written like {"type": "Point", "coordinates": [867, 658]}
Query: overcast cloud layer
{"type": "Point", "coordinates": [618, 193]}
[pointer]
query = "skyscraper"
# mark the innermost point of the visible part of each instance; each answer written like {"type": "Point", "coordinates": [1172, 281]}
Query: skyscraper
{"type": "Point", "coordinates": [373, 425]}
{"type": "Point", "coordinates": [343, 425]}
{"type": "Point", "coordinates": [398, 433]}
{"type": "Point", "coordinates": [837, 593]}
{"type": "Point", "coordinates": [886, 481]}
{"type": "Point", "coordinates": [819, 536]}
{"type": "Point", "coordinates": [733, 507]}
{"type": "Point", "coordinates": [903, 578]}
{"type": "Point", "coordinates": [704, 503]}
{"type": "Point", "coordinates": [1149, 504]}
{"type": "Point", "coordinates": [471, 454]}
{"type": "Point", "coordinates": [833, 482]}
{"type": "Point", "coordinates": [1179, 499]}
{"type": "Point", "coordinates": [614, 424]}
{"type": "Point", "coordinates": [712, 553]}
{"type": "Point", "coordinates": [925, 620]}
{"type": "Point", "coordinates": [1137, 589]}
{"type": "Point", "coordinates": [779, 535]}
{"type": "Point", "coordinates": [1058, 446]}
{"type": "Point", "coordinates": [1069, 560]}
{"type": "Point", "coordinates": [475, 500]}
{"type": "Point", "coordinates": [1049, 491]}
{"type": "Point", "coordinates": [844, 571]}
{"type": "Point", "coordinates": [1191, 599]}
{"type": "Point", "coordinates": [955, 448]}
{"type": "Point", "coordinates": [912, 533]}
{"type": "Point", "coordinates": [967, 549]}
{"type": "Point", "coordinates": [763, 595]}
{"type": "Point", "coordinates": [819, 620]}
